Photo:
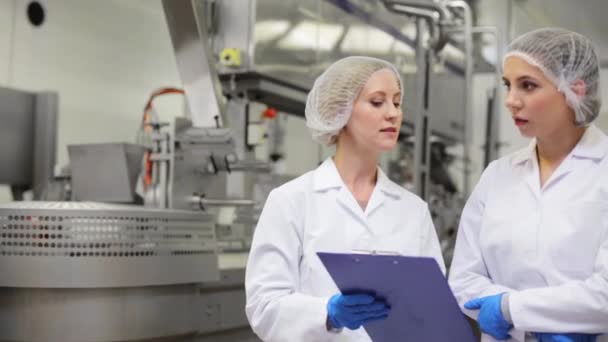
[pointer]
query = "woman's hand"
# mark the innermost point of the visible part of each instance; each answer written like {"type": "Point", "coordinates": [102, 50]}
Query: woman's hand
{"type": "Point", "coordinates": [491, 320]}
{"type": "Point", "coordinates": [354, 310]}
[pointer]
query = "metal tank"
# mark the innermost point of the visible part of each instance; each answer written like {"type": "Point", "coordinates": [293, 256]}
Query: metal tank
{"type": "Point", "coordinates": [85, 271]}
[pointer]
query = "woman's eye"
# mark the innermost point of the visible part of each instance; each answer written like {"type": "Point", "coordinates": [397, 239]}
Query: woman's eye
{"type": "Point", "coordinates": [377, 103]}
{"type": "Point", "coordinates": [528, 85]}
{"type": "Point", "coordinates": [397, 104]}
{"type": "Point", "coordinates": [507, 85]}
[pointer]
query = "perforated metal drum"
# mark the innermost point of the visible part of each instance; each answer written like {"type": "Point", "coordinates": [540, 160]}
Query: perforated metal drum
{"type": "Point", "coordinates": [77, 271]}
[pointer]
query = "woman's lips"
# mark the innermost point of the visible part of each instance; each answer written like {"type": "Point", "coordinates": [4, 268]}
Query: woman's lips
{"type": "Point", "coordinates": [390, 129]}
{"type": "Point", "coordinates": [390, 132]}
{"type": "Point", "coordinates": [520, 122]}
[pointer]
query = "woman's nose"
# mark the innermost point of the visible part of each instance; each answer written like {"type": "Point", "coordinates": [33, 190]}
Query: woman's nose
{"type": "Point", "coordinates": [512, 100]}
{"type": "Point", "coordinates": [393, 111]}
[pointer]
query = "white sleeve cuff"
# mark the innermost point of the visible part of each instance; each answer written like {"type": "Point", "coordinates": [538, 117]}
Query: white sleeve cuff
{"type": "Point", "coordinates": [504, 308]}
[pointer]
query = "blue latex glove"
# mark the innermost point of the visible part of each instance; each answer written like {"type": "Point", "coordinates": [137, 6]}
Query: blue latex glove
{"type": "Point", "coordinates": [354, 310]}
{"type": "Point", "coordinates": [490, 316]}
{"type": "Point", "coordinates": [545, 337]}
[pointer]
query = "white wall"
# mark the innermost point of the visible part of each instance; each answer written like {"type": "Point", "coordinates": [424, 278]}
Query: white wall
{"type": "Point", "coordinates": [103, 57]}
{"type": "Point", "coordinates": [6, 32]}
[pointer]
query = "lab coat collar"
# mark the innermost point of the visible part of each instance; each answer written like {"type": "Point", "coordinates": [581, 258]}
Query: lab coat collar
{"type": "Point", "coordinates": [593, 145]}
{"type": "Point", "coordinates": [387, 186]}
{"type": "Point", "coordinates": [326, 177]}
{"type": "Point", "coordinates": [525, 154]}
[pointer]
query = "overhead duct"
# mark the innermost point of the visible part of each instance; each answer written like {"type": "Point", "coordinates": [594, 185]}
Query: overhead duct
{"type": "Point", "coordinates": [436, 14]}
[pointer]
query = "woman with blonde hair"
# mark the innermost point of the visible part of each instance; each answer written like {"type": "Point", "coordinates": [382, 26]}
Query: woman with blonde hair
{"type": "Point", "coordinates": [346, 204]}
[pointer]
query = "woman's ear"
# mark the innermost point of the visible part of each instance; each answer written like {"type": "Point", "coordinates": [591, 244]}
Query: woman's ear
{"type": "Point", "coordinates": [580, 88]}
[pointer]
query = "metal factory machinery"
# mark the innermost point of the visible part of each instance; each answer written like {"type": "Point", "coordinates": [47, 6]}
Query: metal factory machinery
{"type": "Point", "coordinates": [115, 258]}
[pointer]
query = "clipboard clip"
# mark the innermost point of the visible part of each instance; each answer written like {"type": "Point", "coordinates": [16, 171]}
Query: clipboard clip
{"type": "Point", "coordinates": [374, 252]}
{"type": "Point", "coordinates": [356, 252]}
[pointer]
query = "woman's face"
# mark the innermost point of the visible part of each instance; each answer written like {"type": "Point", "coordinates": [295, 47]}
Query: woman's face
{"type": "Point", "coordinates": [538, 109]}
{"type": "Point", "coordinates": [376, 118]}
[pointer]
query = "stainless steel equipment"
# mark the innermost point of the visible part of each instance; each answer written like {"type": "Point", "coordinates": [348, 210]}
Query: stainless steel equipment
{"type": "Point", "coordinates": [271, 51]}
{"type": "Point", "coordinates": [94, 180]}
{"type": "Point", "coordinates": [109, 272]}
{"type": "Point", "coordinates": [242, 52]}
{"type": "Point", "coordinates": [28, 138]}
{"type": "Point", "coordinates": [191, 167]}
{"type": "Point", "coordinates": [82, 271]}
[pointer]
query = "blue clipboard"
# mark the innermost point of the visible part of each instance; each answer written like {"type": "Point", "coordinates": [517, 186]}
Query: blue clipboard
{"type": "Point", "coordinates": [423, 307]}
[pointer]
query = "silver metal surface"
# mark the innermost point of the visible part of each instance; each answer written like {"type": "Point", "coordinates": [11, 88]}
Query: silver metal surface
{"type": "Point", "coordinates": [235, 28]}
{"type": "Point", "coordinates": [285, 97]}
{"type": "Point", "coordinates": [203, 202]}
{"type": "Point", "coordinates": [16, 153]}
{"type": "Point", "coordinates": [94, 180]}
{"type": "Point", "coordinates": [233, 335]}
{"type": "Point", "coordinates": [196, 64]}
{"type": "Point", "coordinates": [223, 302]}
{"type": "Point", "coordinates": [200, 164]}
{"type": "Point", "coordinates": [28, 139]}
{"type": "Point", "coordinates": [104, 314]}
{"type": "Point", "coordinates": [492, 144]}
{"type": "Point", "coordinates": [161, 158]}
{"type": "Point", "coordinates": [159, 143]}
{"type": "Point", "coordinates": [93, 245]}
{"type": "Point", "coordinates": [422, 124]}
{"type": "Point", "coordinates": [45, 141]}
{"type": "Point", "coordinates": [251, 166]}
{"type": "Point", "coordinates": [278, 70]}
{"type": "Point", "coordinates": [468, 86]}
{"type": "Point", "coordinates": [436, 13]}
{"type": "Point", "coordinates": [276, 24]}
{"type": "Point", "coordinates": [237, 111]}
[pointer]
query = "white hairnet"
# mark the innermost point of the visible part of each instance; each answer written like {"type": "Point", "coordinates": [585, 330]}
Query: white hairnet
{"type": "Point", "coordinates": [564, 57]}
{"type": "Point", "coordinates": [330, 102]}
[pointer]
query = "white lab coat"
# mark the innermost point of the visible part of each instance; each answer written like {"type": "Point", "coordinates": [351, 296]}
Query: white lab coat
{"type": "Point", "coordinates": [548, 247]}
{"type": "Point", "coordinates": [286, 284]}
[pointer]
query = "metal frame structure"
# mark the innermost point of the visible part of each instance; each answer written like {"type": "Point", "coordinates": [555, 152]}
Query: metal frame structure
{"type": "Point", "coordinates": [435, 16]}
